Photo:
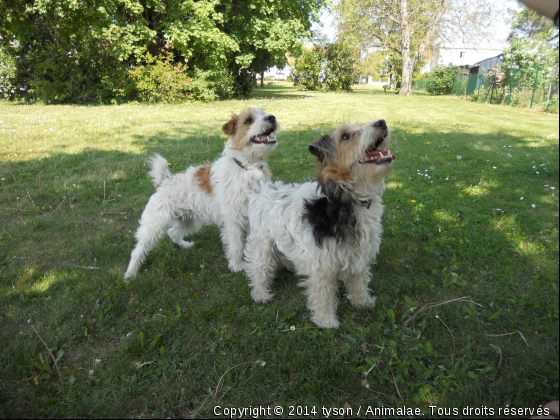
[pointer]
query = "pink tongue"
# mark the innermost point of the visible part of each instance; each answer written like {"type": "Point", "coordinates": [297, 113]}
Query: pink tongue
{"type": "Point", "coordinates": [266, 138]}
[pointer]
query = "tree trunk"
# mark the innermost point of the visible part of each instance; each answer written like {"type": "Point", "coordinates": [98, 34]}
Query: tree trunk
{"type": "Point", "coordinates": [408, 65]}
{"type": "Point", "coordinates": [262, 79]}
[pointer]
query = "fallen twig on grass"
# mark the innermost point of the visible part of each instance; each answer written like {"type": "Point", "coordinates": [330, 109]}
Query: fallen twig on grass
{"type": "Point", "coordinates": [52, 357]}
{"type": "Point", "coordinates": [58, 206]}
{"type": "Point", "coordinates": [395, 382]}
{"type": "Point", "coordinates": [435, 304]}
{"type": "Point", "coordinates": [118, 213]}
{"type": "Point", "coordinates": [138, 365]}
{"type": "Point", "coordinates": [523, 337]}
{"type": "Point", "coordinates": [513, 333]}
{"type": "Point", "coordinates": [258, 362]}
{"type": "Point", "coordinates": [501, 357]}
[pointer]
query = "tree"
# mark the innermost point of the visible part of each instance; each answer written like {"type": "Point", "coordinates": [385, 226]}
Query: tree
{"type": "Point", "coordinates": [529, 24]}
{"type": "Point", "coordinates": [410, 28]}
{"type": "Point", "coordinates": [228, 38]}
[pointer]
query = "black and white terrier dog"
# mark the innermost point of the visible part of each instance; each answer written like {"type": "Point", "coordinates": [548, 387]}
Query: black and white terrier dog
{"type": "Point", "coordinates": [326, 230]}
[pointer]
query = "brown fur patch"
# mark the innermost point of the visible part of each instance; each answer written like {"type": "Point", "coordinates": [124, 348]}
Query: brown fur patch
{"type": "Point", "coordinates": [239, 139]}
{"type": "Point", "coordinates": [202, 176]}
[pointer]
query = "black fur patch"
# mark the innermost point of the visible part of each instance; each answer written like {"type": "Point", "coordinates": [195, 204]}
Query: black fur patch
{"type": "Point", "coordinates": [330, 219]}
{"type": "Point", "coordinates": [331, 216]}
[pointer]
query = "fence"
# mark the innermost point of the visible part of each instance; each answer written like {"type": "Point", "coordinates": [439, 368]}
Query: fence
{"type": "Point", "coordinates": [533, 87]}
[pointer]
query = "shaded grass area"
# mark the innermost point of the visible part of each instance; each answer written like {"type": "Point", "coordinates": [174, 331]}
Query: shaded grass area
{"type": "Point", "coordinates": [471, 210]}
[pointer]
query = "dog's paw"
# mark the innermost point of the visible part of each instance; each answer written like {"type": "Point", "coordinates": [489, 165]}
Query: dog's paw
{"type": "Point", "coordinates": [186, 245]}
{"type": "Point", "coordinates": [326, 322]}
{"type": "Point", "coordinates": [236, 267]}
{"type": "Point", "coordinates": [128, 275]}
{"type": "Point", "coordinates": [262, 297]}
{"type": "Point", "coordinates": [362, 302]}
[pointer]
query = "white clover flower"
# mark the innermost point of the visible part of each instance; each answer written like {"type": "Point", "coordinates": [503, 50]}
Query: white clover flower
{"type": "Point", "coordinates": [522, 198]}
{"type": "Point", "coordinates": [293, 328]}
{"type": "Point", "coordinates": [459, 157]}
{"type": "Point", "coordinates": [534, 206]}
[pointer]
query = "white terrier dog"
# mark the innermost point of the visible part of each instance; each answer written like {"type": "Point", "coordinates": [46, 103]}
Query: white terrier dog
{"type": "Point", "coordinates": [324, 230]}
{"type": "Point", "coordinates": [213, 194]}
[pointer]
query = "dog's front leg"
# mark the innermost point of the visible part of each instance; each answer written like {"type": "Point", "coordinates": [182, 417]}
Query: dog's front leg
{"type": "Point", "coordinates": [358, 292]}
{"type": "Point", "coordinates": [321, 291]}
{"type": "Point", "coordinates": [260, 267]}
{"type": "Point", "coordinates": [232, 238]}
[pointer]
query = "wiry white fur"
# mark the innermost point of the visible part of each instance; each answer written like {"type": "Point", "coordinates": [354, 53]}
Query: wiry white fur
{"type": "Point", "coordinates": [160, 169]}
{"type": "Point", "coordinates": [180, 208]}
{"type": "Point", "coordinates": [279, 232]}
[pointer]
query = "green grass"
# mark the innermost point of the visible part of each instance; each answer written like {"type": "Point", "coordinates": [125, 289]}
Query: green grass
{"type": "Point", "coordinates": [462, 231]}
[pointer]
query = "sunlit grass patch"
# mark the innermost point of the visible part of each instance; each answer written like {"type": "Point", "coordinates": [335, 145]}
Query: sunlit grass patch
{"type": "Point", "coordinates": [70, 200]}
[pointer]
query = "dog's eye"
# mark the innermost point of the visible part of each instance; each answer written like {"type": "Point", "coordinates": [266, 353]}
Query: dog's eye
{"type": "Point", "coordinates": [249, 121]}
{"type": "Point", "coordinates": [346, 136]}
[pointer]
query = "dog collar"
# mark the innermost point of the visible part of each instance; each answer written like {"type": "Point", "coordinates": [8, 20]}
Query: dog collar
{"type": "Point", "coordinates": [366, 203]}
{"type": "Point", "coordinates": [239, 164]}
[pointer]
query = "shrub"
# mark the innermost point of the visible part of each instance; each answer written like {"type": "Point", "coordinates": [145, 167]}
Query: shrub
{"type": "Point", "coordinates": [329, 68]}
{"type": "Point", "coordinates": [440, 82]}
{"type": "Point", "coordinates": [340, 64]}
{"type": "Point", "coordinates": [160, 79]}
{"type": "Point", "coordinates": [307, 71]}
{"type": "Point", "coordinates": [74, 76]}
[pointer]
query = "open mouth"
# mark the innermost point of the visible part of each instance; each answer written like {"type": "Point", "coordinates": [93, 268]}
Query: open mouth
{"type": "Point", "coordinates": [268, 137]}
{"type": "Point", "coordinates": [375, 156]}
{"type": "Point", "coordinates": [378, 157]}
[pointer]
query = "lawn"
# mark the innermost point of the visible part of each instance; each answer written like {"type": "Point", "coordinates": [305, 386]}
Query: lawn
{"type": "Point", "coordinates": [471, 212]}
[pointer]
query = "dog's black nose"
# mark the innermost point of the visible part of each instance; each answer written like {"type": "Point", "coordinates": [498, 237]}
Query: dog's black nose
{"type": "Point", "coordinates": [380, 124]}
{"type": "Point", "coordinates": [271, 118]}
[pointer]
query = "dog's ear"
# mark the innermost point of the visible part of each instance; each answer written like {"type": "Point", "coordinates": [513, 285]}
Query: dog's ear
{"type": "Point", "coordinates": [323, 149]}
{"type": "Point", "coordinates": [230, 127]}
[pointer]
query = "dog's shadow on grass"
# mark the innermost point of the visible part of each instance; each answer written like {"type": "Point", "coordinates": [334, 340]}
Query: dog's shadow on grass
{"type": "Point", "coordinates": [85, 207]}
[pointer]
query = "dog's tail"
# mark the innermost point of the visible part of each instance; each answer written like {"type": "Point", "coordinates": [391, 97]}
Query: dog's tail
{"type": "Point", "coordinates": [160, 169]}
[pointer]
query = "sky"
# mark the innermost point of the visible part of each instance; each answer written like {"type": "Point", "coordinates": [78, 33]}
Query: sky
{"type": "Point", "coordinates": [500, 27]}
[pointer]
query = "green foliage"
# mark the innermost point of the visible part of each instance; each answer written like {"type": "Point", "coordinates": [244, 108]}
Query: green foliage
{"type": "Point", "coordinates": [159, 80]}
{"type": "Point", "coordinates": [440, 81]}
{"type": "Point", "coordinates": [340, 67]}
{"type": "Point", "coordinates": [330, 68]}
{"type": "Point", "coordinates": [80, 52]}
{"type": "Point", "coordinates": [79, 76]}
{"type": "Point", "coordinates": [7, 74]}
{"type": "Point", "coordinates": [521, 59]}
{"type": "Point", "coordinates": [307, 69]}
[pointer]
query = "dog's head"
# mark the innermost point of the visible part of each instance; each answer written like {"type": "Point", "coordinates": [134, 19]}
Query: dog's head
{"type": "Point", "coordinates": [253, 132]}
{"type": "Point", "coordinates": [354, 161]}
{"type": "Point", "coordinates": [355, 154]}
